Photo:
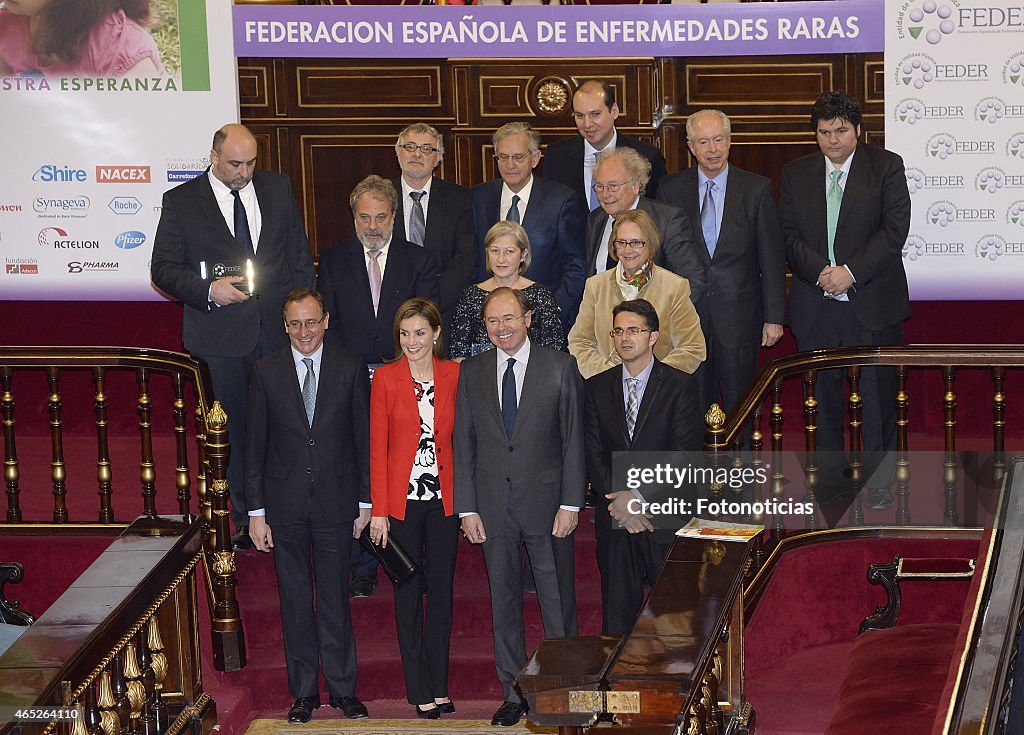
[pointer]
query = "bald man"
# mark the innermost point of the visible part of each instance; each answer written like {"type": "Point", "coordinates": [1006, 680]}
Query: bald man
{"type": "Point", "coordinates": [209, 227]}
{"type": "Point", "coordinates": [571, 161]}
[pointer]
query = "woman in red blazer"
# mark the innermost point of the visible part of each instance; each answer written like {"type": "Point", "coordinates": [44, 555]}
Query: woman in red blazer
{"type": "Point", "coordinates": [412, 413]}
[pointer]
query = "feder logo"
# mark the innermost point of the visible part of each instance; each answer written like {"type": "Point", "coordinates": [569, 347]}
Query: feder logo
{"type": "Point", "coordinates": [1015, 145]}
{"type": "Point", "coordinates": [916, 71]}
{"type": "Point", "coordinates": [990, 247]}
{"type": "Point", "coordinates": [919, 180]}
{"type": "Point", "coordinates": [913, 248]}
{"type": "Point", "coordinates": [1013, 70]}
{"type": "Point", "coordinates": [1015, 213]}
{"type": "Point", "coordinates": [990, 180]}
{"type": "Point", "coordinates": [930, 20]}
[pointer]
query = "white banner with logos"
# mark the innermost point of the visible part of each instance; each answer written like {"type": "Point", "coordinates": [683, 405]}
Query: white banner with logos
{"type": "Point", "coordinates": [954, 105]}
{"type": "Point", "coordinates": [89, 148]}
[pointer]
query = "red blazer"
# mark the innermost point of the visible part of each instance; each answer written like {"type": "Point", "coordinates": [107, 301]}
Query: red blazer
{"type": "Point", "coordinates": [395, 434]}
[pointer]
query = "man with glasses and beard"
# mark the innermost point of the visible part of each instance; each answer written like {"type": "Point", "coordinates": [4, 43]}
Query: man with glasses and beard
{"type": "Point", "coordinates": [363, 282]}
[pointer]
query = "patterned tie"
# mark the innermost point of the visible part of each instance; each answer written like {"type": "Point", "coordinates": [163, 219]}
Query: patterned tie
{"type": "Point", "coordinates": [417, 220]}
{"type": "Point", "coordinates": [709, 219]}
{"type": "Point", "coordinates": [833, 201]}
{"type": "Point", "coordinates": [594, 203]}
{"type": "Point", "coordinates": [373, 271]}
{"type": "Point", "coordinates": [242, 234]}
{"type": "Point", "coordinates": [508, 398]}
{"type": "Point", "coordinates": [513, 211]}
{"type": "Point", "coordinates": [632, 405]}
{"type": "Point", "coordinates": [309, 389]}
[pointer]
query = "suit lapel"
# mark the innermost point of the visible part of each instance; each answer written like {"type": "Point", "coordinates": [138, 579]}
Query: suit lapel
{"type": "Point", "coordinates": [616, 399]}
{"type": "Point", "coordinates": [691, 205]}
{"type": "Point", "coordinates": [732, 208]}
{"type": "Point", "coordinates": [856, 186]}
{"type": "Point", "coordinates": [440, 396]}
{"type": "Point", "coordinates": [815, 202]}
{"type": "Point", "coordinates": [293, 391]}
{"type": "Point", "coordinates": [535, 374]}
{"type": "Point", "coordinates": [396, 271]}
{"type": "Point", "coordinates": [489, 364]}
{"type": "Point", "coordinates": [597, 224]}
{"type": "Point", "coordinates": [534, 209]}
{"type": "Point", "coordinates": [266, 203]}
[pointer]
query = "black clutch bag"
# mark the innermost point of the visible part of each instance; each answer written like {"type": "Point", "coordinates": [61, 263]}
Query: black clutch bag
{"type": "Point", "coordinates": [392, 558]}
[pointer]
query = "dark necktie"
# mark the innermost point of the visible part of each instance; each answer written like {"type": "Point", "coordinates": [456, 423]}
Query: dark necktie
{"type": "Point", "coordinates": [709, 219]}
{"type": "Point", "coordinates": [417, 220]}
{"type": "Point", "coordinates": [309, 389]}
{"type": "Point", "coordinates": [508, 398]}
{"type": "Point", "coordinates": [242, 234]}
{"type": "Point", "coordinates": [513, 212]}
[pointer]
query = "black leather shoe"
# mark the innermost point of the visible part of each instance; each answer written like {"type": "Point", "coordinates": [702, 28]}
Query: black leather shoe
{"type": "Point", "coordinates": [241, 541]}
{"type": "Point", "coordinates": [362, 586]}
{"type": "Point", "coordinates": [434, 713]}
{"type": "Point", "coordinates": [302, 709]}
{"type": "Point", "coordinates": [351, 707]}
{"type": "Point", "coordinates": [508, 714]}
{"type": "Point", "coordinates": [446, 708]}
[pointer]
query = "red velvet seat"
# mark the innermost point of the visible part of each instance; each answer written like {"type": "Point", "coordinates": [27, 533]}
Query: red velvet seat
{"type": "Point", "coordinates": [894, 679]}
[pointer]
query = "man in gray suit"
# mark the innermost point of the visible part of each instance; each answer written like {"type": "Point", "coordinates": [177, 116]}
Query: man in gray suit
{"type": "Point", "coordinates": [520, 476]}
{"type": "Point", "coordinates": [742, 253]}
{"type": "Point", "coordinates": [620, 179]}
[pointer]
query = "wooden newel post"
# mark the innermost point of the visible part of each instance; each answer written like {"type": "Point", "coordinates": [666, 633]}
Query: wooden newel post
{"type": "Point", "coordinates": [228, 635]}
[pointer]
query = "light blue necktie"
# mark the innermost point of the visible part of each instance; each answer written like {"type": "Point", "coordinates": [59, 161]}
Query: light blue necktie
{"type": "Point", "coordinates": [833, 202]}
{"type": "Point", "coordinates": [709, 219]}
{"type": "Point", "coordinates": [594, 203]}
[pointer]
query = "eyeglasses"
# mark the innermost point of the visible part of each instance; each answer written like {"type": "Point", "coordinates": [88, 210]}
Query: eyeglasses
{"type": "Point", "coordinates": [631, 331]}
{"type": "Point", "coordinates": [422, 148]}
{"type": "Point", "coordinates": [502, 321]}
{"type": "Point", "coordinates": [504, 157]}
{"type": "Point", "coordinates": [631, 244]}
{"type": "Point", "coordinates": [295, 325]}
{"type": "Point", "coordinates": [611, 186]}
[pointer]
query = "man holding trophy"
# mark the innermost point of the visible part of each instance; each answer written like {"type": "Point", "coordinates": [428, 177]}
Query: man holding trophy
{"type": "Point", "coordinates": [230, 245]}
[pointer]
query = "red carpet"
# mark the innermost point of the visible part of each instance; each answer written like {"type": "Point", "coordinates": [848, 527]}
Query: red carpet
{"type": "Point", "coordinates": [261, 688]}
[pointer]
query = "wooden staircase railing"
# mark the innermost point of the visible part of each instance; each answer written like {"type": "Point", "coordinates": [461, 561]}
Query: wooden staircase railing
{"type": "Point", "coordinates": [30, 376]}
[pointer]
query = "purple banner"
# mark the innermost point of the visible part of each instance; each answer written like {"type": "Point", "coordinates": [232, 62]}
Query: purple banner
{"type": "Point", "coordinates": [557, 31]}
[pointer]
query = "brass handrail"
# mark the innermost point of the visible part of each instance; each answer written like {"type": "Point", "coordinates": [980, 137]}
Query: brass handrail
{"type": "Point", "coordinates": [211, 436]}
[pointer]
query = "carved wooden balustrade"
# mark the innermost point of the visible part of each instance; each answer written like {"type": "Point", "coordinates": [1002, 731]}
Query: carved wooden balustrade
{"type": "Point", "coordinates": [724, 436]}
{"type": "Point", "coordinates": [191, 409]}
{"type": "Point", "coordinates": [118, 652]}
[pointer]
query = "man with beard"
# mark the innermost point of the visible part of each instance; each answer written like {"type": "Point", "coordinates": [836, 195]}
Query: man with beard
{"type": "Point", "coordinates": [363, 282]}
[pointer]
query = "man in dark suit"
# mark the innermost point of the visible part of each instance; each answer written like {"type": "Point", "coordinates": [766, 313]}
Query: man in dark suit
{"type": "Point", "coordinates": [641, 405]}
{"type": "Point", "coordinates": [444, 222]}
{"type": "Point", "coordinates": [619, 180]}
{"type": "Point", "coordinates": [520, 478]}
{"type": "Point", "coordinates": [571, 161]}
{"type": "Point", "coordinates": [846, 214]}
{"type": "Point", "coordinates": [307, 478]}
{"type": "Point", "coordinates": [547, 210]}
{"type": "Point", "coordinates": [364, 281]}
{"type": "Point", "coordinates": [209, 227]}
{"type": "Point", "coordinates": [742, 257]}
